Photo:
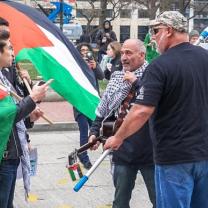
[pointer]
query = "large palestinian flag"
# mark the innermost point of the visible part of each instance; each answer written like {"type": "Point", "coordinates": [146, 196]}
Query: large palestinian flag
{"type": "Point", "coordinates": [7, 115]}
{"type": "Point", "coordinates": [37, 39]}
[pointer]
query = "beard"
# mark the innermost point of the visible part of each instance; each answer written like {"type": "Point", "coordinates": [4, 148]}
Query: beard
{"type": "Point", "coordinates": [159, 43]}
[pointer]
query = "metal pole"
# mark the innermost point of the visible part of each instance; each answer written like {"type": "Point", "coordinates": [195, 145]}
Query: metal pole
{"type": "Point", "coordinates": [191, 14]}
{"type": "Point", "coordinates": [61, 14]}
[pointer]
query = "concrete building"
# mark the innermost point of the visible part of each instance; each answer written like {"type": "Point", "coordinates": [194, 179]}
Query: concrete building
{"type": "Point", "coordinates": [132, 21]}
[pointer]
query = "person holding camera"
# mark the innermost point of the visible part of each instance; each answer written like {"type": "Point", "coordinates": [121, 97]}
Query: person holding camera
{"type": "Point", "coordinates": [84, 122]}
{"type": "Point", "coordinates": [104, 37]}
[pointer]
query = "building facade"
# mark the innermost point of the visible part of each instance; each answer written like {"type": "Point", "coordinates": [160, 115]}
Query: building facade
{"type": "Point", "coordinates": [132, 21]}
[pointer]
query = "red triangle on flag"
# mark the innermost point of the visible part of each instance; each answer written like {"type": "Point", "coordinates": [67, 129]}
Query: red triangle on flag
{"type": "Point", "coordinates": [3, 94]}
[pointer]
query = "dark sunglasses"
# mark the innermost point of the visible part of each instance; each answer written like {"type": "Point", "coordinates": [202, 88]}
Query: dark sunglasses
{"type": "Point", "coordinates": [155, 30]}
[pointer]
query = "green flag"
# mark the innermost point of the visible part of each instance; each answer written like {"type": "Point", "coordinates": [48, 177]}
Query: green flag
{"type": "Point", "coordinates": [151, 52]}
{"type": "Point", "coordinates": [7, 115]}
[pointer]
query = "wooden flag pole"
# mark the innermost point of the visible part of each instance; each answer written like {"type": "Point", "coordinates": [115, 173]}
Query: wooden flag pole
{"type": "Point", "coordinates": [15, 95]}
{"type": "Point", "coordinates": [30, 90]}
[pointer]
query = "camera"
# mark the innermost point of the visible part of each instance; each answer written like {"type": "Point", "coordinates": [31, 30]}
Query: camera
{"type": "Point", "coordinates": [89, 56]}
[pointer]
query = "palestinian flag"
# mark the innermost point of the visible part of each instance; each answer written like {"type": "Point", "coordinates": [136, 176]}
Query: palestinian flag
{"type": "Point", "coordinates": [7, 116]}
{"type": "Point", "coordinates": [37, 39]}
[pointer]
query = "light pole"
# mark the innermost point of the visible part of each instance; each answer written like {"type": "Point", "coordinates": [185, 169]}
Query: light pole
{"type": "Point", "coordinates": [61, 14]}
{"type": "Point", "coordinates": [191, 15]}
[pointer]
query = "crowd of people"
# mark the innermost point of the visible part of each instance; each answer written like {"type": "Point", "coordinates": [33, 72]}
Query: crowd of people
{"type": "Point", "coordinates": [158, 88]}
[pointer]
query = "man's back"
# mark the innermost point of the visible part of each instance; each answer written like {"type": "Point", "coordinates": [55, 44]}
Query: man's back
{"type": "Point", "coordinates": [181, 119]}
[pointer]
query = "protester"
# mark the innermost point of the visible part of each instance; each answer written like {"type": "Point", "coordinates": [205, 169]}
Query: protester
{"type": "Point", "coordinates": [15, 76]}
{"type": "Point", "coordinates": [193, 36]}
{"type": "Point", "coordinates": [112, 60]}
{"type": "Point", "coordinates": [136, 153]}
{"type": "Point", "coordinates": [16, 149]}
{"type": "Point", "coordinates": [174, 91]}
{"type": "Point", "coordinates": [151, 48]}
{"type": "Point", "coordinates": [83, 121]}
{"type": "Point", "coordinates": [104, 37]}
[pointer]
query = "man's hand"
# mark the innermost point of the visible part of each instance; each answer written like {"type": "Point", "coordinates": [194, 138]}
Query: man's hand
{"type": "Point", "coordinates": [39, 92]}
{"type": "Point", "coordinates": [130, 76]}
{"type": "Point", "coordinates": [25, 75]}
{"type": "Point", "coordinates": [112, 142]}
{"type": "Point", "coordinates": [36, 114]}
{"type": "Point", "coordinates": [91, 139]}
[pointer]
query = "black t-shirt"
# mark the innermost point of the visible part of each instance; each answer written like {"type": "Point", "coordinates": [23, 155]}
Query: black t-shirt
{"type": "Point", "coordinates": [176, 83]}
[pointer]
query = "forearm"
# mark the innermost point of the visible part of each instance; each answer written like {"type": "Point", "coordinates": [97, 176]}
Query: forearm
{"type": "Point", "coordinates": [96, 125]}
{"type": "Point", "coordinates": [136, 118]}
{"type": "Point", "coordinates": [24, 108]}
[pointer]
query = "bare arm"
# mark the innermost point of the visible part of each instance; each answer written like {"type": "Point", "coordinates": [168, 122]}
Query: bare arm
{"type": "Point", "coordinates": [136, 118]}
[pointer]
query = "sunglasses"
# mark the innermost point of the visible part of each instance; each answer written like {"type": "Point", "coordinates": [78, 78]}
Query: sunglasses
{"type": "Point", "coordinates": [155, 30]}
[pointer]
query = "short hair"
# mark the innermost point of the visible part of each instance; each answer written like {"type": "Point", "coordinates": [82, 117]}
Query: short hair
{"type": "Point", "coordinates": [141, 45]}
{"type": "Point", "coordinates": [4, 22]}
{"type": "Point", "coordinates": [4, 36]}
{"type": "Point", "coordinates": [116, 47]}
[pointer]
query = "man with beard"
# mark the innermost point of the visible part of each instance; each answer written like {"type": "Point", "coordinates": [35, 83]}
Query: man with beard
{"type": "Point", "coordinates": [136, 152]}
{"type": "Point", "coordinates": [174, 92]}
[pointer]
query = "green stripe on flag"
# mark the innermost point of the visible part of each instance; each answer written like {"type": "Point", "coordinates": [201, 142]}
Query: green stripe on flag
{"type": "Point", "coordinates": [64, 83]}
{"type": "Point", "coordinates": [7, 115]}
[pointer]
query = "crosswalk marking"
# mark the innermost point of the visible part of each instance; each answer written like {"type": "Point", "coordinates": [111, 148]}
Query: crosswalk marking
{"type": "Point", "coordinates": [32, 198]}
{"type": "Point", "coordinates": [64, 206]}
{"type": "Point", "coordinates": [104, 206]}
{"type": "Point", "coordinates": [63, 181]}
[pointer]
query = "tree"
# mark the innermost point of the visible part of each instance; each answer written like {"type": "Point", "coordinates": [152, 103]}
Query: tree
{"type": "Point", "coordinates": [150, 5]}
{"type": "Point", "coordinates": [101, 12]}
{"type": "Point", "coordinates": [183, 6]}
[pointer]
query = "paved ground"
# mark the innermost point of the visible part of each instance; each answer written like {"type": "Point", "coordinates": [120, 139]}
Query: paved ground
{"type": "Point", "coordinates": [53, 188]}
{"type": "Point", "coordinates": [57, 111]}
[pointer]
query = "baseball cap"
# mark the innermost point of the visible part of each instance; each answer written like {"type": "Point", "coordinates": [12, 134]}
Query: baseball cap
{"type": "Point", "coordinates": [171, 18]}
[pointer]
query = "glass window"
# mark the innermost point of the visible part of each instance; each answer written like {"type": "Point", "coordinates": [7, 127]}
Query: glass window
{"type": "Point", "coordinates": [143, 13]}
{"type": "Point", "coordinates": [142, 31]}
{"type": "Point", "coordinates": [200, 24]}
{"type": "Point", "coordinates": [87, 12]}
{"type": "Point", "coordinates": [109, 13]}
{"type": "Point", "coordinates": [79, 14]}
{"type": "Point", "coordinates": [125, 13]}
{"type": "Point", "coordinates": [124, 33]}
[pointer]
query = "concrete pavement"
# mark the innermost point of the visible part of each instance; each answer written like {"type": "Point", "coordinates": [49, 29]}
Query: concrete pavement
{"type": "Point", "coordinates": [53, 188]}
{"type": "Point", "coordinates": [60, 113]}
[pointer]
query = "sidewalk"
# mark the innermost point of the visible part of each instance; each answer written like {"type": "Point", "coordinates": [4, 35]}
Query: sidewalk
{"type": "Point", "coordinates": [60, 113]}
{"type": "Point", "coordinates": [52, 186]}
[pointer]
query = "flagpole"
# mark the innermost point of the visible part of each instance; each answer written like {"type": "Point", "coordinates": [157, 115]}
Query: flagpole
{"type": "Point", "coordinates": [30, 90]}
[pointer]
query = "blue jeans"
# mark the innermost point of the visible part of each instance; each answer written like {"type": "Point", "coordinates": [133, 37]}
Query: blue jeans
{"type": "Point", "coordinates": [8, 172]}
{"type": "Point", "coordinates": [182, 185]}
{"type": "Point", "coordinates": [84, 123]}
{"type": "Point", "coordinates": [124, 181]}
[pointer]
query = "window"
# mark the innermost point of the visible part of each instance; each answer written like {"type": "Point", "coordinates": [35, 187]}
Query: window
{"type": "Point", "coordinates": [124, 33]}
{"type": "Point", "coordinates": [200, 24]}
{"type": "Point", "coordinates": [125, 13]}
{"type": "Point", "coordinates": [79, 13]}
{"type": "Point", "coordinates": [142, 31]}
{"type": "Point", "coordinates": [87, 12]}
{"type": "Point", "coordinates": [109, 13]}
{"type": "Point", "coordinates": [143, 13]}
